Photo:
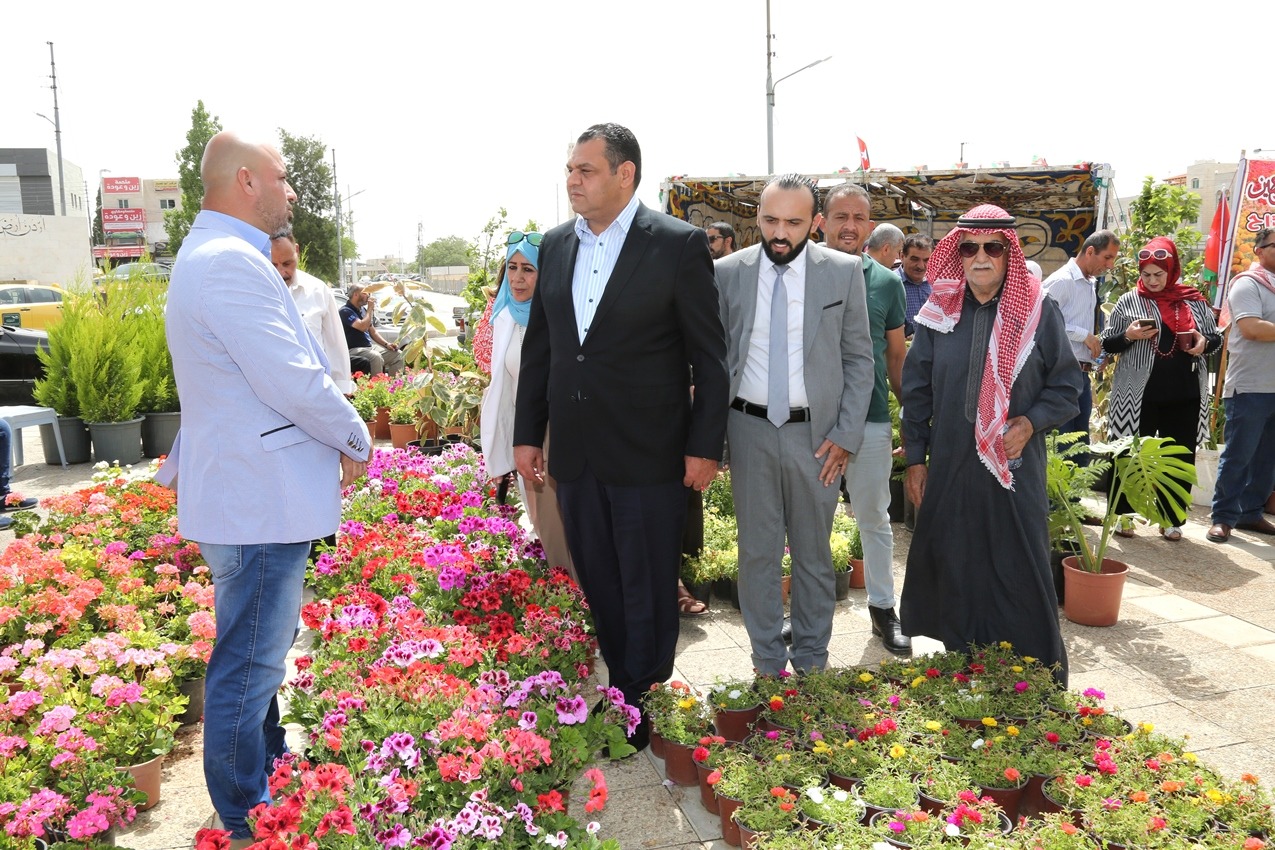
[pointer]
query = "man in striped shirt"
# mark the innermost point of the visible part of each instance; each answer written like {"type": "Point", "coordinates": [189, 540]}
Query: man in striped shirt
{"type": "Point", "coordinates": [1072, 286]}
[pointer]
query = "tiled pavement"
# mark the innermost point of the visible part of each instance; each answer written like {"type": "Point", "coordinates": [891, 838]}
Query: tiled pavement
{"type": "Point", "coordinates": [1193, 653]}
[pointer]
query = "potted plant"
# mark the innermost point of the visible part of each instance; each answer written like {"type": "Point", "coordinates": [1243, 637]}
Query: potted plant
{"type": "Point", "coordinates": [738, 778]}
{"type": "Point", "coordinates": [402, 420]}
{"type": "Point", "coordinates": [159, 401]}
{"type": "Point", "coordinates": [847, 554]}
{"type": "Point", "coordinates": [845, 760]}
{"type": "Point", "coordinates": [775, 812]}
{"type": "Point", "coordinates": [887, 789]}
{"type": "Point", "coordinates": [1124, 821]}
{"type": "Point", "coordinates": [107, 374]}
{"type": "Point", "coordinates": [826, 806]}
{"type": "Point", "coordinates": [1146, 470]}
{"type": "Point", "coordinates": [681, 719]}
{"type": "Point", "coordinates": [1067, 482]}
{"type": "Point", "coordinates": [908, 827]}
{"type": "Point", "coordinates": [57, 388]}
{"type": "Point", "coordinates": [940, 782]}
{"type": "Point", "coordinates": [736, 708]}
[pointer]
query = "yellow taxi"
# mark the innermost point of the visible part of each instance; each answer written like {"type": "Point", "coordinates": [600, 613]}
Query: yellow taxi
{"type": "Point", "coordinates": [30, 305]}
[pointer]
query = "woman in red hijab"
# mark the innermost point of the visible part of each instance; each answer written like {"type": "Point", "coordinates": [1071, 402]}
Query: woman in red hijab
{"type": "Point", "coordinates": [1160, 331]}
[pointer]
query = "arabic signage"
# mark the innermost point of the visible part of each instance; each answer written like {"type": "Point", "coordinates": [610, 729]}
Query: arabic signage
{"type": "Point", "coordinates": [121, 251]}
{"type": "Point", "coordinates": [166, 185]}
{"type": "Point", "coordinates": [121, 185]}
{"type": "Point", "coordinates": [123, 219]}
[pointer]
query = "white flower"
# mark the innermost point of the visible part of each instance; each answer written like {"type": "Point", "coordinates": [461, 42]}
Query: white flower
{"type": "Point", "coordinates": [952, 829]}
{"type": "Point", "coordinates": [977, 745]}
{"type": "Point", "coordinates": [816, 795]}
{"type": "Point", "coordinates": [558, 840]}
{"type": "Point", "coordinates": [735, 694]}
{"type": "Point", "coordinates": [592, 827]}
{"type": "Point", "coordinates": [841, 795]}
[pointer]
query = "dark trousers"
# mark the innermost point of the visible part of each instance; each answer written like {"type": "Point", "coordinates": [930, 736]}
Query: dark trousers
{"type": "Point", "coordinates": [626, 543]}
{"type": "Point", "coordinates": [693, 533]}
{"type": "Point", "coordinates": [1179, 420]}
{"type": "Point", "coordinates": [1081, 421]}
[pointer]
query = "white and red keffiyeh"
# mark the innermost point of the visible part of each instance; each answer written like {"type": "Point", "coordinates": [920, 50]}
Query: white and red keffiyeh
{"type": "Point", "coordinates": [1013, 332]}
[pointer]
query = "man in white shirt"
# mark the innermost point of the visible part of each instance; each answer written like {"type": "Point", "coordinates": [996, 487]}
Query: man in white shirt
{"type": "Point", "coordinates": [318, 306]}
{"type": "Point", "coordinates": [1072, 287]}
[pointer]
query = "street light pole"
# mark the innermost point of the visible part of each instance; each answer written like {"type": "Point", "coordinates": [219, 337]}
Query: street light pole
{"type": "Point", "coordinates": [336, 197]}
{"type": "Point", "coordinates": [57, 127]}
{"type": "Point", "coordinates": [770, 93]}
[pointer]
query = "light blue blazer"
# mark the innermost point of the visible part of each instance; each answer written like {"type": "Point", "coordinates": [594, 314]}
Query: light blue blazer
{"type": "Point", "coordinates": [263, 425]}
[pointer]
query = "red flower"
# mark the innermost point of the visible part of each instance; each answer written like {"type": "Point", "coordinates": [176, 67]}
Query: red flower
{"type": "Point", "coordinates": [1012, 774]}
{"type": "Point", "coordinates": [700, 754]}
{"type": "Point", "coordinates": [212, 839]}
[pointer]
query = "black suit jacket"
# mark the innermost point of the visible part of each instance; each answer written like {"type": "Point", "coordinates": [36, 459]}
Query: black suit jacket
{"type": "Point", "coordinates": [621, 401]}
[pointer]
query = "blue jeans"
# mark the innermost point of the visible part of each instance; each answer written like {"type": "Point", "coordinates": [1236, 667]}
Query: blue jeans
{"type": "Point", "coordinates": [258, 600]}
{"type": "Point", "coordinates": [1246, 469]}
{"type": "Point", "coordinates": [6, 455]}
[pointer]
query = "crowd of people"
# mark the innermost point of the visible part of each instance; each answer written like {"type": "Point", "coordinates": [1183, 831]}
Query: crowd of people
{"type": "Point", "coordinates": [657, 352]}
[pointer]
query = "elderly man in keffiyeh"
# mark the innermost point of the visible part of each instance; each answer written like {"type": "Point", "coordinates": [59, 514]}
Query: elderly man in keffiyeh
{"type": "Point", "coordinates": [990, 372]}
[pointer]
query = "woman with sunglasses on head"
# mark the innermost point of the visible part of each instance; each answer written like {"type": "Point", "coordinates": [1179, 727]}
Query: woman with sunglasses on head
{"type": "Point", "coordinates": [1160, 331]}
{"type": "Point", "coordinates": [509, 313]}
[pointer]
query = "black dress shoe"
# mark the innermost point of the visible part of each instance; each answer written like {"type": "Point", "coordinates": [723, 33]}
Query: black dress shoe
{"type": "Point", "coordinates": [885, 625]}
{"type": "Point", "coordinates": [1219, 533]}
{"type": "Point", "coordinates": [1261, 525]}
{"type": "Point", "coordinates": [786, 631]}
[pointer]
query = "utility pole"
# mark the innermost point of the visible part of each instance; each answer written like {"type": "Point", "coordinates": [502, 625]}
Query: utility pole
{"type": "Point", "coordinates": [336, 197]}
{"type": "Point", "coordinates": [57, 127]}
{"type": "Point", "coordinates": [770, 100]}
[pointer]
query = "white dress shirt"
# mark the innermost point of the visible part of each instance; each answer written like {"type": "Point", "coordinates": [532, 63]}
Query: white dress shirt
{"type": "Point", "coordinates": [753, 385]}
{"type": "Point", "coordinates": [1077, 298]}
{"type": "Point", "coordinates": [321, 314]}
{"type": "Point", "coordinates": [595, 260]}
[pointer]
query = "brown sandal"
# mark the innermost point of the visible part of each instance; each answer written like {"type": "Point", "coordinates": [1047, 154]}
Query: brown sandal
{"type": "Point", "coordinates": [688, 604]}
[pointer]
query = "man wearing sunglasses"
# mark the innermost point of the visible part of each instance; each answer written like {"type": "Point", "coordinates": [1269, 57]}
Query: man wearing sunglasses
{"type": "Point", "coordinates": [989, 373]}
{"type": "Point", "coordinates": [1246, 469]}
{"type": "Point", "coordinates": [721, 239]}
{"type": "Point", "coordinates": [1072, 287]}
{"type": "Point", "coordinates": [624, 311]}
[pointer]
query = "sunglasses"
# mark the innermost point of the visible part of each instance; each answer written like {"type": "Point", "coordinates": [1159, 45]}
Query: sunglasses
{"type": "Point", "coordinates": [518, 236]}
{"type": "Point", "coordinates": [712, 239]}
{"type": "Point", "coordinates": [1157, 254]}
{"type": "Point", "coordinates": [994, 249]}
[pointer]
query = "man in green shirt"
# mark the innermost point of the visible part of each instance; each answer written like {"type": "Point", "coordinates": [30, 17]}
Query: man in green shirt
{"type": "Point", "coordinates": [847, 223]}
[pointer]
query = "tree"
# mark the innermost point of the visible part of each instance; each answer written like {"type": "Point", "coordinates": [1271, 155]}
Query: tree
{"type": "Point", "coordinates": [99, 235]}
{"type": "Point", "coordinates": [177, 222]}
{"type": "Point", "coordinates": [313, 215]}
{"type": "Point", "coordinates": [448, 251]}
{"type": "Point", "coordinates": [1160, 210]}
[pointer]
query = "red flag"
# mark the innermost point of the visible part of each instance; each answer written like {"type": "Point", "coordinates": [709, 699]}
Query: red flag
{"type": "Point", "coordinates": [1217, 235]}
{"type": "Point", "coordinates": [864, 162]}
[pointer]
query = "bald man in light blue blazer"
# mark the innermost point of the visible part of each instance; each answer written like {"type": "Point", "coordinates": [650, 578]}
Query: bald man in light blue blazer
{"type": "Point", "coordinates": [267, 442]}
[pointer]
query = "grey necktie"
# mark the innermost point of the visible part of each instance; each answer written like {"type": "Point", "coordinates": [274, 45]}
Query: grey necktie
{"type": "Point", "coordinates": [777, 410]}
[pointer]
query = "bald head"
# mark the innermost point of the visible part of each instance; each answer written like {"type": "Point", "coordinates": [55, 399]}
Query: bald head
{"type": "Point", "coordinates": [247, 181]}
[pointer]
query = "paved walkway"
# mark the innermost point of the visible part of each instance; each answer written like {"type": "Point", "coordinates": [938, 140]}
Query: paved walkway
{"type": "Point", "coordinates": [1193, 653]}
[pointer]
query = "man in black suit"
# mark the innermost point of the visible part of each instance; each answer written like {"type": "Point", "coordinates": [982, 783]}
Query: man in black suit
{"type": "Point", "coordinates": [625, 309]}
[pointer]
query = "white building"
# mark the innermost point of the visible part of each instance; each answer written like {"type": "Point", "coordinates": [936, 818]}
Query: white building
{"type": "Point", "coordinates": [40, 238]}
{"type": "Point", "coordinates": [133, 216]}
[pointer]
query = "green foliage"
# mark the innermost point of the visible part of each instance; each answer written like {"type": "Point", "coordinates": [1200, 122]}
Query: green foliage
{"type": "Point", "coordinates": [313, 215]}
{"type": "Point", "coordinates": [1067, 482]}
{"type": "Point", "coordinates": [447, 251]}
{"type": "Point", "coordinates": [1160, 210]}
{"type": "Point", "coordinates": [66, 337]}
{"type": "Point", "coordinates": [202, 128]}
{"type": "Point", "coordinates": [106, 369]}
{"type": "Point", "coordinates": [159, 385]}
{"type": "Point", "coordinates": [1148, 472]}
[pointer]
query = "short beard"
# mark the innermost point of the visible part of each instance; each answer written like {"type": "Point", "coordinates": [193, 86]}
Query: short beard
{"type": "Point", "coordinates": [786, 258]}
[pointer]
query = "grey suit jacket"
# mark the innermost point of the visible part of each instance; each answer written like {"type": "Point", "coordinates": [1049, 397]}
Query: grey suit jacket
{"type": "Point", "coordinates": [838, 348]}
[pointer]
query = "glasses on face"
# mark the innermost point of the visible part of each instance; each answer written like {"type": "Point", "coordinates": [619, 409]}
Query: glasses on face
{"type": "Point", "coordinates": [1157, 254]}
{"type": "Point", "coordinates": [518, 236]}
{"type": "Point", "coordinates": [714, 237]}
{"type": "Point", "coordinates": [994, 249]}
{"type": "Point", "coordinates": [1267, 245]}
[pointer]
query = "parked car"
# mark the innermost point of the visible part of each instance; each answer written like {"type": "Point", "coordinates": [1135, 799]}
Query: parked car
{"type": "Point", "coordinates": [126, 270]}
{"type": "Point", "coordinates": [30, 305]}
{"type": "Point", "coordinates": [19, 365]}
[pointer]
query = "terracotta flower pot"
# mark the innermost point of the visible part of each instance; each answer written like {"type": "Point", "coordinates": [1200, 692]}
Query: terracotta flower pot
{"type": "Point", "coordinates": [401, 435]}
{"type": "Point", "coordinates": [747, 837]}
{"type": "Point", "coordinates": [707, 795]}
{"type": "Point", "coordinates": [858, 579]}
{"type": "Point", "coordinates": [838, 780]}
{"type": "Point", "coordinates": [382, 423]}
{"type": "Point", "coordinates": [726, 807]}
{"type": "Point", "coordinates": [657, 744]}
{"type": "Point", "coordinates": [736, 724]}
{"type": "Point", "coordinates": [1093, 599]}
{"type": "Point", "coordinates": [1007, 798]}
{"type": "Point", "coordinates": [147, 778]}
{"type": "Point", "coordinates": [679, 766]}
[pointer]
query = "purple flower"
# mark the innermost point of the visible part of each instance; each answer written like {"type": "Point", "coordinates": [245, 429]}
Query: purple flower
{"type": "Point", "coordinates": [395, 836]}
{"type": "Point", "coordinates": [1094, 693]}
{"type": "Point", "coordinates": [527, 722]}
{"type": "Point", "coordinates": [572, 711]}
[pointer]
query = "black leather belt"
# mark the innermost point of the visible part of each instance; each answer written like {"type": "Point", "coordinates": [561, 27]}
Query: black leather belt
{"type": "Point", "coordinates": [797, 414]}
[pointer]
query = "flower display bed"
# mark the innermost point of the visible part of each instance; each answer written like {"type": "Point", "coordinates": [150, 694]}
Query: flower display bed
{"type": "Point", "coordinates": [917, 777]}
{"type": "Point", "coordinates": [104, 613]}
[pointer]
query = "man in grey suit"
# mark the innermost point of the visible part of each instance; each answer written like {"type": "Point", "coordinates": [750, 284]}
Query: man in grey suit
{"type": "Point", "coordinates": [801, 378]}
